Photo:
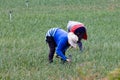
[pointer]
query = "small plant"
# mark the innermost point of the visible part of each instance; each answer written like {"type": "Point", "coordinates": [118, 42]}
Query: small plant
{"type": "Point", "coordinates": [27, 3]}
{"type": "Point", "coordinates": [10, 14]}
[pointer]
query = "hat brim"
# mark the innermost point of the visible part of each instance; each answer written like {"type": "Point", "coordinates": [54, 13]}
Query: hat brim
{"type": "Point", "coordinates": [72, 44]}
{"type": "Point", "coordinates": [72, 39]}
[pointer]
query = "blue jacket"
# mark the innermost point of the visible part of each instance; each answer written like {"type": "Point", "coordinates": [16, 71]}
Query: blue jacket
{"type": "Point", "coordinates": [61, 40]}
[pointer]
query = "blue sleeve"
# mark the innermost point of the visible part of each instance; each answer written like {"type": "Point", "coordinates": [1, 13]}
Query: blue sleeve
{"type": "Point", "coordinates": [61, 47]}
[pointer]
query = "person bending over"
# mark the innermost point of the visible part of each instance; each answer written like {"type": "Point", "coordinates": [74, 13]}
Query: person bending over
{"type": "Point", "coordinates": [59, 41]}
{"type": "Point", "coordinates": [78, 29]}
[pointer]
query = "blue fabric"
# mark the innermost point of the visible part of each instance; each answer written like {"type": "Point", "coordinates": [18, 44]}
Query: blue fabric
{"type": "Point", "coordinates": [61, 40]}
{"type": "Point", "coordinates": [51, 32]}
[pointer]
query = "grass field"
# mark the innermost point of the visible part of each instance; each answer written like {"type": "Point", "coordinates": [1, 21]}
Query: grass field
{"type": "Point", "coordinates": [24, 52]}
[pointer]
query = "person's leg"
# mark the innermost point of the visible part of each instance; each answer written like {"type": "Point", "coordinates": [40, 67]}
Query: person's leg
{"type": "Point", "coordinates": [51, 52]}
{"type": "Point", "coordinates": [52, 46]}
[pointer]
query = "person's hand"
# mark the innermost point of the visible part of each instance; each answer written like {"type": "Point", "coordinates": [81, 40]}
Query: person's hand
{"type": "Point", "coordinates": [68, 60]}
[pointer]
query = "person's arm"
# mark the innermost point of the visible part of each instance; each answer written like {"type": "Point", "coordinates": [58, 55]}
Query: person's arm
{"type": "Point", "coordinates": [61, 48]}
{"type": "Point", "coordinates": [80, 45]}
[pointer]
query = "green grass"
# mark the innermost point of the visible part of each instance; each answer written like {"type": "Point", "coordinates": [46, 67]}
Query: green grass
{"type": "Point", "coordinates": [24, 52]}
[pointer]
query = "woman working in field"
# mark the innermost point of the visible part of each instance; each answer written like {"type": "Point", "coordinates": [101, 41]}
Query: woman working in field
{"type": "Point", "coordinates": [59, 40]}
{"type": "Point", "coordinates": [78, 29]}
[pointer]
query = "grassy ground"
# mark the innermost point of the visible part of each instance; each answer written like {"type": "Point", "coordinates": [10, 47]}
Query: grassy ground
{"type": "Point", "coordinates": [24, 53]}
